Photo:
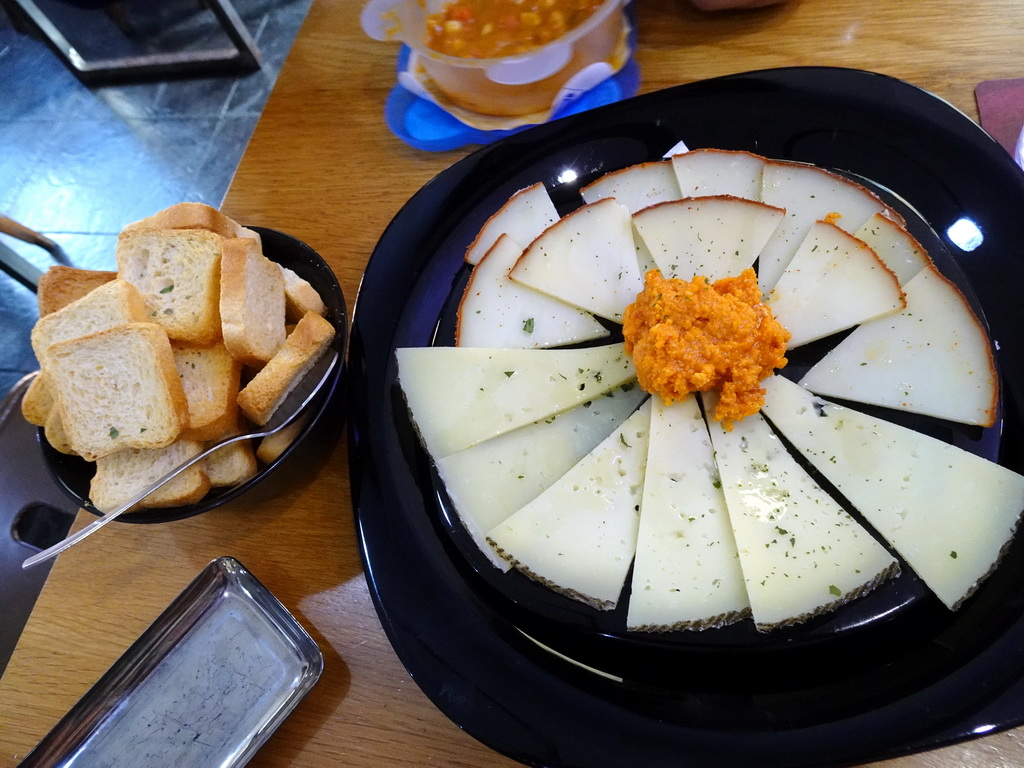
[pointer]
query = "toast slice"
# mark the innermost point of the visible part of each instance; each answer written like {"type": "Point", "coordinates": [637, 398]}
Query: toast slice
{"type": "Point", "coordinates": [53, 429]}
{"type": "Point", "coordinates": [272, 446]}
{"type": "Point", "coordinates": [300, 351]}
{"type": "Point", "coordinates": [122, 475]}
{"type": "Point", "coordinates": [233, 464]}
{"type": "Point", "coordinates": [118, 389]}
{"type": "Point", "coordinates": [193, 216]}
{"type": "Point", "coordinates": [60, 285]}
{"type": "Point", "coordinates": [37, 402]}
{"type": "Point", "coordinates": [300, 297]}
{"type": "Point", "coordinates": [210, 377]}
{"type": "Point", "coordinates": [112, 304]}
{"type": "Point", "coordinates": [252, 302]}
{"type": "Point", "coordinates": [177, 271]}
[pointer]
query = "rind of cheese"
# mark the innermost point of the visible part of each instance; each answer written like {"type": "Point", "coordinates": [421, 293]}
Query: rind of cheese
{"type": "Point", "coordinates": [460, 396]}
{"type": "Point", "coordinates": [947, 512]}
{"type": "Point", "coordinates": [523, 217]}
{"type": "Point", "coordinates": [595, 240]}
{"type": "Point", "coordinates": [687, 573]}
{"type": "Point", "coordinates": [932, 358]}
{"type": "Point", "coordinates": [719, 172]}
{"type": "Point", "coordinates": [635, 186]}
{"type": "Point", "coordinates": [715, 237]}
{"type": "Point", "coordinates": [497, 312]}
{"type": "Point", "coordinates": [896, 247]}
{"type": "Point", "coordinates": [834, 282]}
{"type": "Point", "coordinates": [579, 536]}
{"type": "Point", "coordinates": [491, 480]}
{"type": "Point", "coordinates": [809, 194]}
{"type": "Point", "coordinates": [801, 552]}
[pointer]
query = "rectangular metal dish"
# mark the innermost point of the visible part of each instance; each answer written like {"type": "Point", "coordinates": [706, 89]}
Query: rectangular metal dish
{"type": "Point", "coordinates": [205, 684]}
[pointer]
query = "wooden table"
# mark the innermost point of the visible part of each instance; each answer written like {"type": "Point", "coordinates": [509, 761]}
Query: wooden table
{"type": "Point", "coordinates": [323, 167]}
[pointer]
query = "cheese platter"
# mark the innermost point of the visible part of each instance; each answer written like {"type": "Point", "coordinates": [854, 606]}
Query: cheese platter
{"type": "Point", "coordinates": [579, 671]}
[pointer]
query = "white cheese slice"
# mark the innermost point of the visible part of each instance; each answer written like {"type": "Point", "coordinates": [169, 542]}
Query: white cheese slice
{"type": "Point", "coordinates": [714, 237]}
{"type": "Point", "coordinates": [947, 512]}
{"type": "Point", "coordinates": [719, 172]}
{"type": "Point", "coordinates": [800, 551]}
{"type": "Point", "coordinates": [498, 312]}
{"type": "Point", "coordinates": [579, 536]}
{"type": "Point", "coordinates": [894, 246]}
{"type": "Point", "coordinates": [833, 282]}
{"type": "Point", "coordinates": [636, 186]}
{"type": "Point", "coordinates": [687, 571]}
{"type": "Point", "coordinates": [643, 254]}
{"type": "Point", "coordinates": [587, 258]}
{"type": "Point", "coordinates": [492, 479]}
{"type": "Point", "coordinates": [809, 194]}
{"type": "Point", "coordinates": [932, 358]}
{"type": "Point", "coordinates": [523, 217]}
{"type": "Point", "coordinates": [460, 396]}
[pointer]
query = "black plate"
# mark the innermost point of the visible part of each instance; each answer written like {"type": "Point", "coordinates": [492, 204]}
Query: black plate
{"type": "Point", "coordinates": [73, 474]}
{"type": "Point", "coordinates": [891, 674]}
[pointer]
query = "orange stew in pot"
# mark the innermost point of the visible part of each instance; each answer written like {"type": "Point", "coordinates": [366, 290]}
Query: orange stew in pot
{"type": "Point", "coordinates": [484, 29]}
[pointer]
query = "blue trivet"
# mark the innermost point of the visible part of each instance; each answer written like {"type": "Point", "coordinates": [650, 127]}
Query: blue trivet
{"type": "Point", "coordinates": [424, 125]}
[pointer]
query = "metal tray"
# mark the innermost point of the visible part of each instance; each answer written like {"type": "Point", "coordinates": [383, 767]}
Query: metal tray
{"type": "Point", "coordinates": [206, 684]}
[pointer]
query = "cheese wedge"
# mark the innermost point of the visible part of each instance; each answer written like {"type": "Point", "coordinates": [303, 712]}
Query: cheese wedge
{"type": "Point", "coordinates": [801, 552]}
{"type": "Point", "coordinates": [711, 236]}
{"type": "Point", "coordinates": [460, 396]}
{"type": "Point", "coordinates": [947, 512]}
{"type": "Point", "coordinates": [809, 194]}
{"type": "Point", "coordinates": [497, 312]}
{"type": "Point", "coordinates": [932, 358]}
{"type": "Point", "coordinates": [587, 259]}
{"type": "Point", "coordinates": [719, 172]}
{"type": "Point", "coordinates": [636, 186]}
{"type": "Point", "coordinates": [687, 573]}
{"type": "Point", "coordinates": [833, 283]}
{"type": "Point", "coordinates": [579, 536]}
{"type": "Point", "coordinates": [524, 216]}
{"type": "Point", "coordinates": [896, 247]}
{"type": "Point", "coordinates": [492, 479]}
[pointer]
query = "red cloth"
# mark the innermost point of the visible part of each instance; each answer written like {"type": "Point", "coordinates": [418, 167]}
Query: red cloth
{"type": "Point", "coordinates": [1001, 107]}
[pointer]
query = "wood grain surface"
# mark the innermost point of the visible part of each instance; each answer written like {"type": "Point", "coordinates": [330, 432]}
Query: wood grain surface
{"type": "Point", "coordinates": [323, 166]}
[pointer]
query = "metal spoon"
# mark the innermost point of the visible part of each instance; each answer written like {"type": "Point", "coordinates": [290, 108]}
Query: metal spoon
{"type": "Point", "coordinates": [293, 405]}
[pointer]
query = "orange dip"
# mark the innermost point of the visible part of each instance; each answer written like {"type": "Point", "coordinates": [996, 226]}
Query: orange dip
{"type": "Point", "coordinates": [698, 336]}
{"type": "Point", "coordinates": [484, 29]}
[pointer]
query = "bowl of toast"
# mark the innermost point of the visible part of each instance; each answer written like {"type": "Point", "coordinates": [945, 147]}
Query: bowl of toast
{"type": "Point", "coordinates": [198, 335]}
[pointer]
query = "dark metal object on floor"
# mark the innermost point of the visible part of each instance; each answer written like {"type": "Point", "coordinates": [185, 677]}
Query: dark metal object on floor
{"type": "Point", "coordinates": [243, 56]}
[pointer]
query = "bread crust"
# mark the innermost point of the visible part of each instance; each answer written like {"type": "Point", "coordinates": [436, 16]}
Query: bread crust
{"type": "Point", "coordinates": [37, 402]}
{"type": "Point", "coordinates": [306, 344]}
{"type": "Point", "coordinates": [300, 297]}
{"type": "Point", "coordinates": [252, 302]}
{"type": "Point", "coordinates": [190, 215]}
{"type": "Point", "coordinates": [61, 285]}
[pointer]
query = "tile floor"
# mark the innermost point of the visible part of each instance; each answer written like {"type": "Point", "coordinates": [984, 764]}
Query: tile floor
{"type": "Point", "coordinates": [78, 163]}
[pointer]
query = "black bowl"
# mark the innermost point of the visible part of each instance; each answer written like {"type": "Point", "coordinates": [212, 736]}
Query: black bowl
{"type": "Point", "coordinates": [73, 474]}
